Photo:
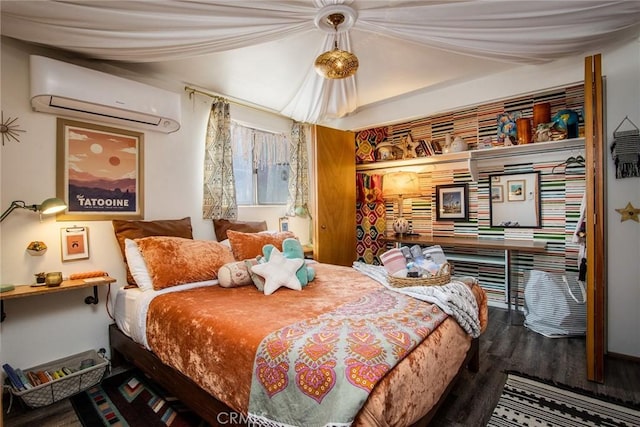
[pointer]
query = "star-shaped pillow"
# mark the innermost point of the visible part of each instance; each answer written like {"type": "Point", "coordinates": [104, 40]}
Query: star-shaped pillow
{"type": "Point", "coordinates": [278, 272]}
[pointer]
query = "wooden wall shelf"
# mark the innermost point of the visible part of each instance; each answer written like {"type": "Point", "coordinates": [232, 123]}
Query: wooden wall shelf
{"type": "Point", "coordinates": [23, 291]}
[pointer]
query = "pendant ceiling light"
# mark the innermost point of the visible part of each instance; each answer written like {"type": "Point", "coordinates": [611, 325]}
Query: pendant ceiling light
{"type": "Point", "coordinates": [336, 63]}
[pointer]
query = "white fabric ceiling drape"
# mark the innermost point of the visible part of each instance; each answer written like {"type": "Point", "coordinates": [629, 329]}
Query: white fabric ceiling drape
{"type": "Point", "coordinates": [523, 32]}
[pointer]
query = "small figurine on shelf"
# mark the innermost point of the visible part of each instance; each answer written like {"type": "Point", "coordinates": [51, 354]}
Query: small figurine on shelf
{"type": "Point", "coordinates": [40, 277]}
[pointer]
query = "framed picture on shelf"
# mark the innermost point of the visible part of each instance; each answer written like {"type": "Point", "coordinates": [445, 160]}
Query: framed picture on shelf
{"type": "Point", "coordinates": [99, 171]}
{"type": "Point", "coordinates": [421, 149]}
{"type": "Point", "coordinates": [283, 223]}
{"type": "Point", "coordinates": [75, 243]}
{"type": "Point", "coordinates": [496, 194]}
{"type": "Point", "coordinates": [516, 190]}
{"type": "Point", "coordinates": [452, 202]}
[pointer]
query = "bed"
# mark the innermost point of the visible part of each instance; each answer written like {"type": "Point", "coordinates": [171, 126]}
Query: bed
{"type": "Point", "coordinates": [220, 349]}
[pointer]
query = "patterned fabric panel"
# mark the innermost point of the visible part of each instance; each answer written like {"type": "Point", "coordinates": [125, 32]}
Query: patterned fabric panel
{"type": "Point", "coordinates": [370, 218]}
{"type": "Point", "coordinates": [366, 142]}
{"type": "Point", "coordinates": [325, 367]}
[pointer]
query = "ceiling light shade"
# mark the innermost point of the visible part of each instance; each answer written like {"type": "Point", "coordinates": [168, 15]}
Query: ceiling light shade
{"type": "Point", "coordinates": [336, 63]}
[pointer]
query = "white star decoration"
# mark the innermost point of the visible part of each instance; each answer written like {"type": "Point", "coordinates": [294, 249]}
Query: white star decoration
{"type": "Point", "coordinates": [278, 272]}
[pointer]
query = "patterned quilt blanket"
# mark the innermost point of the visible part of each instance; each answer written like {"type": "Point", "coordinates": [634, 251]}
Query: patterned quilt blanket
{"type": "Point", "coordinates": [454, 298]}
{"type": "Point", "coordinates": [320, 371]}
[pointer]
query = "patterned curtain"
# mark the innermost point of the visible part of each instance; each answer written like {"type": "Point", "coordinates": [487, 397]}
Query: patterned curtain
{"type": "Point", "coordinates": [370, 218]}
{"type": "Point", "coordinates": [219, 199]}
{"type": "Point", "coordinates": [298, 201]}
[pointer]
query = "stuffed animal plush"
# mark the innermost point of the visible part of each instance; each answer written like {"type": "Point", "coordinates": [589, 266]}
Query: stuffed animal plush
{"type": "Point", "coordinates": [279, 272]}
{"type": "Point", "coordinates": [292, 249]}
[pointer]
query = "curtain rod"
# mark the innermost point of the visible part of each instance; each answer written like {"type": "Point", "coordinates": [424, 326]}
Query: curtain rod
{"type": "Point", "coordinates": [215, 96]}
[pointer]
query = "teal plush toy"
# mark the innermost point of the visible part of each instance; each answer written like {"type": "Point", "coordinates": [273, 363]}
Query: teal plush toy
{"type": "Point", "coordinates": [292, 249]}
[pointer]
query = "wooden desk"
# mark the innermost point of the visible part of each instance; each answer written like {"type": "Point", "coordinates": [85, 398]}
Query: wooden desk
{"type": "Point", "coordinates": [23, 291]}
{"type": "Point", "coordinates": [534, 246]}
{"type": "Point", "coordinates": [507, 246]}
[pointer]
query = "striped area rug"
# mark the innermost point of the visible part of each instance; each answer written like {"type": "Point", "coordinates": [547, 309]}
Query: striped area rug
{"type": "Point", "coordinates": [526, 402]}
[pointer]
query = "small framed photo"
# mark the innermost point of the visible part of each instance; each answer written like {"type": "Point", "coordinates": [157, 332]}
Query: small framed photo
{"type": "Point", "coordinates": [75, 243]}
{"type": "Point", "coordinates": [452, 202]}
{"type": "Point", "coordinates": [496, 193]}
{"type": "Point", "coordinates": [517, 190]}
{"type": "Point", "coordinates": [283, 223]}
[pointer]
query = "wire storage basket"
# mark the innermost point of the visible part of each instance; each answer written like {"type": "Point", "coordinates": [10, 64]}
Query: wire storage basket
{"type": "Point", "coordinates": [79, 380]}
{"type": "Point", "coordinates": [441, 278]}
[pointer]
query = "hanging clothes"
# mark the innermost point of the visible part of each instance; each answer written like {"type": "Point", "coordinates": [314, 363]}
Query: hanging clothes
{"type": "Point", "coordinates": [579, 235]}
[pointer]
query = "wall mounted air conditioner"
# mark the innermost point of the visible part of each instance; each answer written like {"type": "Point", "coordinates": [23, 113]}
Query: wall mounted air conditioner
{"type": "Point", "coordinates": [69, 90]}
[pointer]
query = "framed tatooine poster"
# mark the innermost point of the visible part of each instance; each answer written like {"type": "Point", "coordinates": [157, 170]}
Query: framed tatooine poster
{"type": "Point", "coordinates": [99, 172]}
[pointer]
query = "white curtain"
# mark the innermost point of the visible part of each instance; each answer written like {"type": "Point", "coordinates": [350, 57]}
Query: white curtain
{"type": "Point", "coordinates": [267, 148]}
{"type": "Point", "coordinates": [517, 31]}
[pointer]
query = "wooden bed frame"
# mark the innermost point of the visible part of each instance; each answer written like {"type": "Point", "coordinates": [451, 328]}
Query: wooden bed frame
{"type": "Point", "coordinates": [208, 407]}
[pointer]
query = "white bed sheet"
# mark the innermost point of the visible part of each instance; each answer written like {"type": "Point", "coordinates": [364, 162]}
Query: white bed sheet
{"type": "Point", "coordinates": [132, 304]}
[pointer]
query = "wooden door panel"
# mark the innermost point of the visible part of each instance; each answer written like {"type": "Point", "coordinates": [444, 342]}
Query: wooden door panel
{"type": "Point", "coordinates": [335, 197]}
{"type": "Point", "coordinates": [595, 155]}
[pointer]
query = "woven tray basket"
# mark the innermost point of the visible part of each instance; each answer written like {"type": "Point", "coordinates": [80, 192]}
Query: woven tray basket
{"type": "Point", "coordinates": [442, 278]}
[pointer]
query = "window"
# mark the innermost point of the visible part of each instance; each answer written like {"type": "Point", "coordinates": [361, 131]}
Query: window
{"type": "Point", "coordinates": [260, 166]}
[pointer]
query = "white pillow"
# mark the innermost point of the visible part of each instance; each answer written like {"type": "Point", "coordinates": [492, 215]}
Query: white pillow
{"type": "Point", "coordinates": [137, 266]}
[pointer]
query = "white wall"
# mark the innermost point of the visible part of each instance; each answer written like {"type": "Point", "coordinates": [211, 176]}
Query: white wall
{"type": "Point", "coordinates": [42, 328]}
{"type": "Point", "coordinates": [621, 67]}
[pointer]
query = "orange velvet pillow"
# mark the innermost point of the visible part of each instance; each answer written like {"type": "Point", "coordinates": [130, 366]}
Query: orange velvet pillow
{"type": "Point", "coordinates": [175, 260]}
{"type": "Point", "coordinates": [249, 245]}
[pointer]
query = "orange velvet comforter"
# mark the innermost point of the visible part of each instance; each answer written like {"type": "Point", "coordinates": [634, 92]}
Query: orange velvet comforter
{"type": "Point", "coordinates": [211, 335]}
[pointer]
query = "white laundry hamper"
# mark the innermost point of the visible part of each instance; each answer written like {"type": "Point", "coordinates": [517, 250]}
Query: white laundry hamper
{"type": "Point", "coordinates": [554, 306]}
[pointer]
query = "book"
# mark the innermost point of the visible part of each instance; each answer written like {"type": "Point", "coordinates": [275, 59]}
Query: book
{"type": "Point", "coordinates": [13, 377]}
{"type": "Point", "coordinates": [42, 377]}
{"type": "Point", "coordinates": [23, 378]}
{"type": "Point", "coordinates": [33, 378]}
{"type": "Point", "coordinates": [6, 288]}
{"type": "Point", "coordinates": [87, 363]}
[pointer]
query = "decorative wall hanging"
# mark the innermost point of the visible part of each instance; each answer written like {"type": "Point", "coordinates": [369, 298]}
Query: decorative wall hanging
{"type": "Point", "coordinates": [75, 243]}
{"type": "Point", "coordinates": [452, 201]}
{"type": "Point", "coordinates": [628, 212]}
{"type": "Point", "coordinates": [625, 150]}
{"type": "Point", "coordinates": [100, 172]}
{"type": "Point", "coordinates": [517, 190]}
{"type": "Point", "coordinates": [36, 248]}
{"type": "Point", "coordinates": [366, 143]}
{"type": "Point", "coordinates": [9, 129]}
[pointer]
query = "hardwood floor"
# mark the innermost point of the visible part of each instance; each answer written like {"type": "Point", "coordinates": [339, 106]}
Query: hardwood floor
{"type": "Point", "coordinates": [512, 347]}
{"type": "Point", "coordinates": [503, 347]}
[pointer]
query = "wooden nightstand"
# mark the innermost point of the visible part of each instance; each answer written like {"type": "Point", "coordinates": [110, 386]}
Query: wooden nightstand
{"type": "Point", "coordinates": [23, 291]}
